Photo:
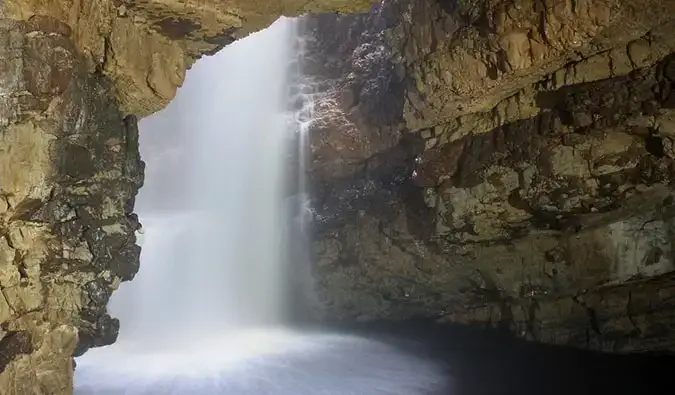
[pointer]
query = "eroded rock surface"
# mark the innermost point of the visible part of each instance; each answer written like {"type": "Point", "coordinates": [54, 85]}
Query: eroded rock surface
{"type": "Point", "coordinates": [514, 168]}
{"type": "Point", "coordinates": [70, 169]}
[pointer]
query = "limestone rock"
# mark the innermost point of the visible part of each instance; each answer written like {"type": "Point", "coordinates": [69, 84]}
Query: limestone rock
{"type": "Point", "coordinates": [145, 46]}
{"type": "Point", "coordinates": [70, 166]}
{"type": "Point", "coordinates": [515, 168]}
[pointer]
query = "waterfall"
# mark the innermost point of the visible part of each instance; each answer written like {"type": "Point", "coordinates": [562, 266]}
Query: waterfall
{"type": "Point", "coordinates": [300, 111]}
{"type": "Point", "coordinates": [224, 270]}
{"type": "Point", "coordinates": [213, 208]}
{"type": "Point", "coordinates": [225, 259]}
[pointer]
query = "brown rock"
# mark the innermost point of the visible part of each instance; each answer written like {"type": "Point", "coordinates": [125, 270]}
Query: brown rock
{"type": "Point", "coordinates": [543, 164]}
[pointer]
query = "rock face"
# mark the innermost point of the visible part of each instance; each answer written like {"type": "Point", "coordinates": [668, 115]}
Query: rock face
{"type": "Point", "coordinates": [70, 169]}
{"type": "Point", "coordinates": [500, 163]}
{"type": "Point", "coordinates": [75, 76]}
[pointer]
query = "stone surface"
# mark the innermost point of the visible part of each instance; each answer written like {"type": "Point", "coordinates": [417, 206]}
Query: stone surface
{"type": "Point", "coordinates": [512, 168]}
{"type": "Point", "coordinates": [145, 46]}
{"type": "Point", "coordinates": [70, 168]}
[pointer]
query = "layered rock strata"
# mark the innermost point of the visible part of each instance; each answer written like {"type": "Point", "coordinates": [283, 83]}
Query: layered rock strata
{"type": "Point", "coordinates": [499, 163]}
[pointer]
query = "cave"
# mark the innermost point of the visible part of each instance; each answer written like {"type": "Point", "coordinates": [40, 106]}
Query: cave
{"type": "Point", "coordinates": [490, 182]}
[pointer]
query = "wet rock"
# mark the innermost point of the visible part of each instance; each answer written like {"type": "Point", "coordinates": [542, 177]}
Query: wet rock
{"type": "Point", "coordinates": [12, 345]}
{"type": "Point", "coordinates": [125, 265]}
{"type": "Point", "coordinates": [63, 189]}
{"type": "Point", "coordinates": [98, 293]}
{"type": "Point", "coordinates": [537, 152]}
{"type": "Point", "coordinates": [103, 332]}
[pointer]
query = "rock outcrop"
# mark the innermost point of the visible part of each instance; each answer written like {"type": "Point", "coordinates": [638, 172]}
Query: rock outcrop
{"type": "Point", "coordinates": [70, 170]}
{"type": "Point", "coordinates": [499, 163]}
{"type": "Point", "coordinates": [75, 77]}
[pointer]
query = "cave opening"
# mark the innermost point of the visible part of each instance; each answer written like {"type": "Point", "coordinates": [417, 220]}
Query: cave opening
{"type": "Point", "coordinates": [223, 266]}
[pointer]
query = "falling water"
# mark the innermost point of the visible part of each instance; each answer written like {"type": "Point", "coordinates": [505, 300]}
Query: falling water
{"type": "Point", "coordinates": [225, 247]}
{"type": "Point", "coordinates": [300, 112]}
{"type": "Point", "coordinates": [220, 251]}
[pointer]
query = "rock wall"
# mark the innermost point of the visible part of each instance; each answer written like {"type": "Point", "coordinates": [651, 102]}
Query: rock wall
{"type": "Point", "coordinates": [75, 77]}
{"type": "Point", "coordinates": [499, 163]}
{"type": "Point", "coordinates": [70, 169]}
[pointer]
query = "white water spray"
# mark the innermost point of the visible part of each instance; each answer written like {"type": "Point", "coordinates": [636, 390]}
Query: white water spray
{"type": "Point", "coordinates": [206, 313]}
{"type": "Point", "coordinates": [214, 264]}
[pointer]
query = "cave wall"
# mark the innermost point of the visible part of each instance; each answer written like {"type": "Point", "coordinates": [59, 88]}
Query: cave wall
{"type": "Point", "coordinates": [70, 168]}
{"type": "Point", "coordinates": [498, 163]}
{"type": "Point", "coordinates": [75, 78]}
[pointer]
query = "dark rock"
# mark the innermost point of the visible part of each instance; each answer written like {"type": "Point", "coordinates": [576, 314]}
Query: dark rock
{"type": "Point", "coordinates": [78, 162]}
{"type": "Point", "coordinates": [176, 28]}
{"type": "Point", "coordinates": [503, 207]}
{"type": "Point", "coordinates": [99, 293]}
{"type": "Point", "coordinates": [126, 262]}
{"type": "Point", "coordinates": [669, 69]}
{"type": "Point", "coordinates": [13, 344]}
{"type": "Point", "coordinates": [582, 119]}
{"type": "Point", "coordinates": [102, 332]}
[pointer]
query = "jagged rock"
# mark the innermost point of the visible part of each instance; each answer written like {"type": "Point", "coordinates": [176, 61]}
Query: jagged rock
{"type": "Point", "coordinates": [145, 46]}
{"type": "Point", "coordinates": [517, 158]}
{"type": "Point", "coordinates": [64, 177]}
